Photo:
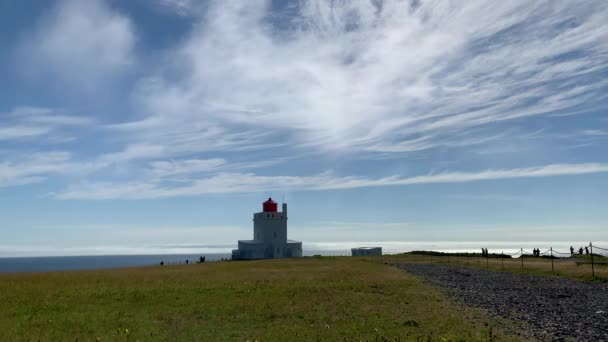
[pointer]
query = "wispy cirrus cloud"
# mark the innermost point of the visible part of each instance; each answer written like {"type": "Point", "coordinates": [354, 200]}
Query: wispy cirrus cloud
{"type": "Point", "coordinates": [256, 81]}
{"type": "Point", "coordinates": [29, 122]}
{"type": "Point", "coordinates": [36, 168]}
{"type": "Point", "coordinates": [384, 76]}
{"type": "Point", "coordinates": [249, 182]}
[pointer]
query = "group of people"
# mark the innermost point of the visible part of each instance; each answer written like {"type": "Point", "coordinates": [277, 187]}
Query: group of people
{"type": "Point", "coordinates": [484, 252]}
{"type": "Point", "coordinates": [200, 261]}
{"type": "Point", "coordinates": [580, 250]}
{"type": "Point", "coordinates": [536, 252]}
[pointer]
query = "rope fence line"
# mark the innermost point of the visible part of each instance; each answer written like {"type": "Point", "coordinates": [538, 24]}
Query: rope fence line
{"type": "Point", "coordinates": [587, 255]}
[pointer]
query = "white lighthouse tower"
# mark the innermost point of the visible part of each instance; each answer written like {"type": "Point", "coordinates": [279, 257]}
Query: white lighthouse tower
{"type": "Point", "coordinates": [269, 236]}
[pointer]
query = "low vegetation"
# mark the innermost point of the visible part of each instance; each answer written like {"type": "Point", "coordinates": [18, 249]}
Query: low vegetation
{"type": "Point", "coordinates": [576, 267]}
{"type": "Point", "coordinates": [306, 299]}
{"type": "Point", "coordinates": [458, 254]}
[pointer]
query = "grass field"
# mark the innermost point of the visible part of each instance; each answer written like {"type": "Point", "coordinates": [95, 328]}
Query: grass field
{"type": "Point", "coordinates": [278, 300]}
{"type": "Point", "coordinates": [575, 268]}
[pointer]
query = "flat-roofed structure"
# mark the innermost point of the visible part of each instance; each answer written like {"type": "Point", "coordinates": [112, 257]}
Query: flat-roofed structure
{"type": "Point", "coordinates": [366, 251]}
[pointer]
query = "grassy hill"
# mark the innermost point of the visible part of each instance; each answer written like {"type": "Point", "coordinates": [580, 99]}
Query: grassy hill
{"type": "Point", "coordinates": [305, 299]}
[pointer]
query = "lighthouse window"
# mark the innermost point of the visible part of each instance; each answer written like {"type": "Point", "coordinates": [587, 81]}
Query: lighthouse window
{"type": "Point", "coordinates": [267, 215]}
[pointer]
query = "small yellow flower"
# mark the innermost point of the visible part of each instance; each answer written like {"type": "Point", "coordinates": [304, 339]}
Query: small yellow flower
{"type": "Point", "coordinates": [126, 331]}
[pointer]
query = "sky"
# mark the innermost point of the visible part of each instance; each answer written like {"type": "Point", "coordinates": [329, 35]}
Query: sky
{"type": "Point", "coordinates": [161, 125]}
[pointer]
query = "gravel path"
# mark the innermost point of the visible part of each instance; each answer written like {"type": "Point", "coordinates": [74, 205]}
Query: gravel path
{"type": "Point", "coordinates": [557, 307]}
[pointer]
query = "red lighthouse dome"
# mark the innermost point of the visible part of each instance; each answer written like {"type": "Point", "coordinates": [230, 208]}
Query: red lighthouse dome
{"type": "Point", "coordinates": [270, 206]}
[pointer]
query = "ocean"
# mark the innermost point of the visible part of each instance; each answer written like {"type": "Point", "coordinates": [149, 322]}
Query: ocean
{"type": "Point", "coordinates": [88, 262]}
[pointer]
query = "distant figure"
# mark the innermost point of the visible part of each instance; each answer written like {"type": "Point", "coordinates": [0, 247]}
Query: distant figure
{"type": "Point", "coordinates": [201, 260]}
{"type": "Point", "coordinates": [586, 250]}
{"type": "Point", "coordinates": [580, 251]}
{"type": "Point", "coordinates": [186, 261]}
{"type": "Point", "coordinates": [162, 263]}
{"type": "Point", "coordinates": [571, 251]}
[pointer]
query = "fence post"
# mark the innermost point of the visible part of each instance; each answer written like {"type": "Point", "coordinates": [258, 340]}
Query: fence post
{"type": "Point", "coordinates": [487, 258]}
{"type": "Point", "coordinates": [502, 260]}
{"type": "Point", "coordinates": [522, 258]}
{"type": "Point", "coordinates": [592, 267]}
{"type": "Point", "coordinates": [552, 269]}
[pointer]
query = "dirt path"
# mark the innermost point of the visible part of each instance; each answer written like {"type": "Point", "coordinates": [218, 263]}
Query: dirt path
{"type": "Point", "coordinates": [557, 307]}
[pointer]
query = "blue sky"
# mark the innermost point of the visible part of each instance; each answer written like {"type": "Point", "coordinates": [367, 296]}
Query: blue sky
{"type": "Point", "coordinates": [128, 127]}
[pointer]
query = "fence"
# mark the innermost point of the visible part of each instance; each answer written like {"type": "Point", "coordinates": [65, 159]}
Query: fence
{"type": "Point", "coordinates": [594, 257]}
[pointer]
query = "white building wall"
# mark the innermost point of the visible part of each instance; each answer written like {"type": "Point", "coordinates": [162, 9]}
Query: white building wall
{"type": "Point", "coordinates": [250, 250]}
{"type": "Point", "coordinates": [366, 251]}
{"type": "Point", "coordinates": [294, 249]}
{"type": "Point", "coordinates": [271, 228]}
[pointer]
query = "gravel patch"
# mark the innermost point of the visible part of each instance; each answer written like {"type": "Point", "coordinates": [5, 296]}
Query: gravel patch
{"type": "Point", "coordinates": [555, 307]}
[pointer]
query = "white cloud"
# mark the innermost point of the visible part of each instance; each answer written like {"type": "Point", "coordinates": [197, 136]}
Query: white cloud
{"type": "Point", "coordinates": [30, 122]}
{"type": "Point", "coordinates": [594, 132]}
{"type": "Point", "coordinates": [181, 7]}
{"type": "Point", "coordinates": [249, 182]}
{"type": "Point", "coordinates": [82, 42]}
{"type": "Point", "coordinates": [20, 131]}
{"type": "Point", "coordinates": [355, 75]}
{"type": "Point", "coordinates": [32, 169]}
{"type": "Point", "coordinates": [37, 167]}
{"type": "Point", "coordinates": [171, 168]}
{"type": "Point", "coordinates": [372, 78]}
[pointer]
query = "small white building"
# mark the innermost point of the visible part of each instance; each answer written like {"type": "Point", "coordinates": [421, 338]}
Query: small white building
{"type": "Point", "coordinates": [366, 251]}
{"type": "Point", "coordinates": [269, 236]}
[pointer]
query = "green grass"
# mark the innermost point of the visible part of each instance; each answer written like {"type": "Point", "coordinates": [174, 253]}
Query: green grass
{"type": "Point", "coordinates": [578, 268]}
{"type": "Point", "coordinates": [277, 300]}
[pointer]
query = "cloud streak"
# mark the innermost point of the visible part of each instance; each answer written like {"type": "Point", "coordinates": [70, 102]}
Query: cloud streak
{"type": "Point", "coordinates": [248, 182]}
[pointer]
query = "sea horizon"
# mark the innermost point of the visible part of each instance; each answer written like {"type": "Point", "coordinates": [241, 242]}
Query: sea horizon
{"type": "Point", "coordinates": [389, 247]}
{"type": "Point", "coordinates": [178, 254]}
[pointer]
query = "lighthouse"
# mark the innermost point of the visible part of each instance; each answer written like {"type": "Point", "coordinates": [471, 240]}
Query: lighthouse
{"type": "Point", "coordinates": [269, 236]}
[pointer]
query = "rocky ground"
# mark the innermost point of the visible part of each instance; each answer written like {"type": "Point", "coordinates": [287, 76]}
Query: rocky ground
{"type": "Point", "coordinates": [556, 308]}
